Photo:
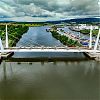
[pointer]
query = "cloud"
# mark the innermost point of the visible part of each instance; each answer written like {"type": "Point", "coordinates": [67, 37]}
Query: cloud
{"type": "Point", "coordinates": [48, 8]}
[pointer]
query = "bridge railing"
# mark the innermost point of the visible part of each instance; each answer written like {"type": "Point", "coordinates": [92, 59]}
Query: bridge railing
{"type": "Point", "coordinates": [42, 47]}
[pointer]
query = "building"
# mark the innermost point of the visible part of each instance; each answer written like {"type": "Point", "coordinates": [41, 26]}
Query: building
{"type": "Point", "coordinates": [84, 26]}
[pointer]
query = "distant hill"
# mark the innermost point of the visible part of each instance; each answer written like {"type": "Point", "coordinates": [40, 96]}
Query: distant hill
{"type": "Point", "coordinates": [86, 20]}
{"type": "Point", "coordinates": [6, 21]}
{"type": "Point", "coordinates": [78, 20]}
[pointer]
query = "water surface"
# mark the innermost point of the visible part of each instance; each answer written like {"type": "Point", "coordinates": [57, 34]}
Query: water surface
{"type": "Point", "coordinates": [77, 80]}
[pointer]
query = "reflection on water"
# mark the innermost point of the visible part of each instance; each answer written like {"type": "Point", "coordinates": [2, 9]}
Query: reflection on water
{"type": "Point", "coordinates": [77, 80]}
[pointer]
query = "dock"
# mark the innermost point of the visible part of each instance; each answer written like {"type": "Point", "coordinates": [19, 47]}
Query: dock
{"type": "Point", "coordinates": [6, 55]}
{"type": "Point", "coordinates": [94, 56]}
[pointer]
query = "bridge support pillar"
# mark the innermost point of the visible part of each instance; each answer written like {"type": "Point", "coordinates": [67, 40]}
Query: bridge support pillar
{"type": "Point", "coordinates": [90, 43]}
{"type": "Point", "coordinates": [97, 41]}
{"type": "Point", "coordinates": [1, 45]}
{"type": "Point", "coordinates": [6, 37]}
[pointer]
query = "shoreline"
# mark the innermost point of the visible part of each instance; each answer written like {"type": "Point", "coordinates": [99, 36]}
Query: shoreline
{"type": "Point", "coordinates": [65, 39]}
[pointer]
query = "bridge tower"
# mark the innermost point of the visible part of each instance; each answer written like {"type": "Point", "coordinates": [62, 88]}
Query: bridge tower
{"type": "Point", "coordinates": [6, 37]}
{"type": "Point", "coordinates": [97, 41]}
{"type": "Point", "coordinates": [90, 43]}
{"type": "Point", "coordinates": [1, 45]}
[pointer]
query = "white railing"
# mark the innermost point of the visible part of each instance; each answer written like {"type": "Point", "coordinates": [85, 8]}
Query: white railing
{"type": "Point", "coordinates": [49, 49]}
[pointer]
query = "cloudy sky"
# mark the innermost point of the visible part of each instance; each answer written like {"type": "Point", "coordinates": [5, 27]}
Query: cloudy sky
{"type": "Point", "coordinates": [43, 10]}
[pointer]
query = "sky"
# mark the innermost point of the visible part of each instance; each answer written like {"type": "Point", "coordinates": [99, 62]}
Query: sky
{"type": "Point", "coordinates": [44, 10]}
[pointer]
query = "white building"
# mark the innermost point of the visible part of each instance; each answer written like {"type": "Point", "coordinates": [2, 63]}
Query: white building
{"type": "Point", "coordinates": [84, 26]}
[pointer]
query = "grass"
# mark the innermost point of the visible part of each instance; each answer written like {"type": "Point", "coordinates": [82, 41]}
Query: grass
{"type": "Point", "coordinates": [15, 32]}
{"type": "Point", "coordinates": [64, 39]}
{"type": "Point", "coordinates": [87, 31]}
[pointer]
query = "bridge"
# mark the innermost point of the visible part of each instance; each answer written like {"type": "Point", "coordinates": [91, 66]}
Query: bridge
{"type": "Point", "coordinates": [52, 49]}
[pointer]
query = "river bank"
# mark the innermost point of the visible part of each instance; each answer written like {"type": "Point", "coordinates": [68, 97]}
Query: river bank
{"type": "Point", "coordinates": [65, 38]}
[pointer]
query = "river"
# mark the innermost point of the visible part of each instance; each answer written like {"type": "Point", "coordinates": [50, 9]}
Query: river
{"type": "Point", "coordinates": [37, 36]}
{"type": "Point", "coordinates": [77, 78]}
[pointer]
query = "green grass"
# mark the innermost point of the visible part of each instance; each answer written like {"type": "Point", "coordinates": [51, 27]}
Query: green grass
{"type": "Point", "coordinates": [15, 32]}
{"type": "Point", "coordinates": [95, 31]}
{"type": "Point", "coordinates": [64, 39]}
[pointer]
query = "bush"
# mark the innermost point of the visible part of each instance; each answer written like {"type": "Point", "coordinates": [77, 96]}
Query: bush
{"type": "Point", "coordinates": [87, 31]}
{"type": "Point", "coordinates": [65, 40]}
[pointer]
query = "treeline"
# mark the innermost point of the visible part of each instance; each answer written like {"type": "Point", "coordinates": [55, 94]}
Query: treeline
{"type": "Point", "coordinates": [64, 39]}
{"type": "Point", "coordinates": [15, 32]}
{"type": "Point", "coordinates": [32, 24]}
